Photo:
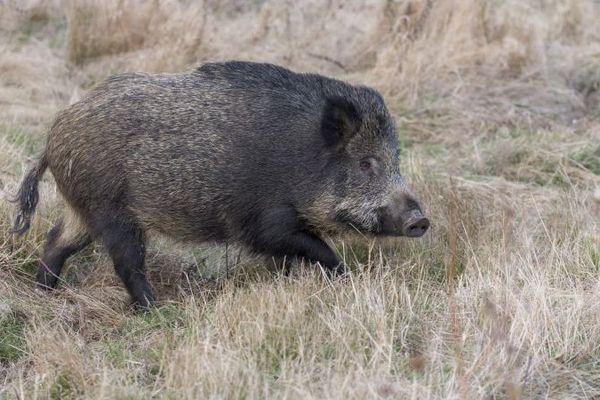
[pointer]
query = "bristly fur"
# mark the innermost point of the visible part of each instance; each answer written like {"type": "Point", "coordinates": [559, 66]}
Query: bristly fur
{"type": "Point", "coordinates": [231, 152]}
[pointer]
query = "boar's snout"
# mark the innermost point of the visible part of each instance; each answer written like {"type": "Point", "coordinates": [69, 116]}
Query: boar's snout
{"type": "Point", "coordinates": [403, 217]}
{"type": "Point", "coordinates": [415, 224]}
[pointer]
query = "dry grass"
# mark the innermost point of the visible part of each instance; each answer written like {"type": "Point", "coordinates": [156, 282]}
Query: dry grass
{"type": "Point", "coordinates": [497, 105]}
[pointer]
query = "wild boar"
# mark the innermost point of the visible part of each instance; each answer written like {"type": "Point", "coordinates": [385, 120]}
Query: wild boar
{"type": "Point", "coordinates": [234, 151]}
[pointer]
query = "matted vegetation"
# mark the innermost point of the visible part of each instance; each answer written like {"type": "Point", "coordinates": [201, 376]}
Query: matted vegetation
{"type": "Point", "coordinates": [497, 104]}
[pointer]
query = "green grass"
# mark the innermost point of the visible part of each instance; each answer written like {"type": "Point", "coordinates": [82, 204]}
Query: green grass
{"type": "Point", "coordinates": [59, 36]}
{"type": "Point", "coordinates": [64, 388]}
{"type": "Point", "coordinates": [166, 317]}
{"type": "Point", "coordinates": [25, 141]}
{"type": "Point", "coordinates": [12, 341]}
{"type": "Point", "coordinates": [30, 28]}
{"type": "Point", "coordinates": [589, 159]}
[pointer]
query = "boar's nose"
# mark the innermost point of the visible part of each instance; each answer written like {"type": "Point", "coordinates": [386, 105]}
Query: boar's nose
{"type": "Point", "coordinates": [415, 224]}
{"type": "Point", "coordinates": [403, 216]}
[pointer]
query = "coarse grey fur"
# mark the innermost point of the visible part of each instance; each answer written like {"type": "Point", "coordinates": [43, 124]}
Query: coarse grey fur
{"type": "Point", "coordinates": [236, 151]}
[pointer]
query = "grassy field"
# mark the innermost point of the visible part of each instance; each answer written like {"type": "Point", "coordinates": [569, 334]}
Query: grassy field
{"type": "Point", "coordinates": [497, 104]}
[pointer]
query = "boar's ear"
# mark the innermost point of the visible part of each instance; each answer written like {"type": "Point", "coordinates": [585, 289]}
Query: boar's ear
{"type": "Point", "coordinates": [340, 121]}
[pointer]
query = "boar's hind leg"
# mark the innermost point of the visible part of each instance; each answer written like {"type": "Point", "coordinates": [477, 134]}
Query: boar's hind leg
{"type": "Point", "coordinates": [64, 239]}
{"type": "Point", "coordinates": [281, 234]}
{"type": "Point", "coordinates": [125, 242]}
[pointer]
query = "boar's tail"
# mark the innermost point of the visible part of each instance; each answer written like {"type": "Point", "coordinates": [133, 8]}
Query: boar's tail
{"type": "Point", "coordinates": [28, 196]}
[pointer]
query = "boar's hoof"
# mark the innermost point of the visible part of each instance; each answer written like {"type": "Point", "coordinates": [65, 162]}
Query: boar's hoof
{"type": "Point", "coordinates": [145, 304]}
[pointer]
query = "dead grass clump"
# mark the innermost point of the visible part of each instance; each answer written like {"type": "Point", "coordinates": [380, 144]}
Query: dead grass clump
{"type": "Point", "coordinates": [108, 27]}
{"type": "Point", "coordinates": [543, 158]}
{"type": "Point", "coordinates": [484, 63]}
{"type": "Point", "coordinates": [24, 16]}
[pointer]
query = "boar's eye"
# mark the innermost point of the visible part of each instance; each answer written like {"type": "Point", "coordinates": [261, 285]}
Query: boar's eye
{"type": "Point", "coordinates": [365, 165]}
{"type": "Point", "coordinates": [369, 166]}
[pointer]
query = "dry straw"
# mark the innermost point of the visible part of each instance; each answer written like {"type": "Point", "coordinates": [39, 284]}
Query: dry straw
{"type": "Point", "coordinates": [496, 103]}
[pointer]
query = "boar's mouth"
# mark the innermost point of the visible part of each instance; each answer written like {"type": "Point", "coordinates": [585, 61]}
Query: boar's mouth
{"type": "Point", "coordinates": [344, 217]}
{"type": "Point", "coordinates": [411, 223]}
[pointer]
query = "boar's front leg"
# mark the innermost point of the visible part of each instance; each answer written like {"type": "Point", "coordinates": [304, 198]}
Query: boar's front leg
{"type": "Point", "coordinates": [280, 233]}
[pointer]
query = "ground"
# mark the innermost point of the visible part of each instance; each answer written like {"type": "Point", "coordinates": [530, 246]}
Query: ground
{"type": "Point", "coordinates": [497, 105]}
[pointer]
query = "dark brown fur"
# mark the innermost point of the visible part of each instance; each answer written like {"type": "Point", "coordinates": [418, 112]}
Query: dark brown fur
{"type": "Point", "coordinates": [235, 151]}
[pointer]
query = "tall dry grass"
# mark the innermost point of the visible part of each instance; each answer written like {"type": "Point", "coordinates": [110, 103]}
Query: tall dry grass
{"type": "Point", "coordinates": [496, 104]}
